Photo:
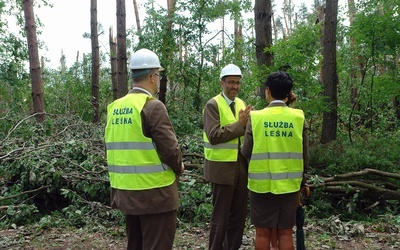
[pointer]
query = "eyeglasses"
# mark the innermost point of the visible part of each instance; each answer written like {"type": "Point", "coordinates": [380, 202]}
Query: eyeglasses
{"type": "Point", "coordinates": [159, 77]}
{"type": "Point", "coordinates": [233, 82]}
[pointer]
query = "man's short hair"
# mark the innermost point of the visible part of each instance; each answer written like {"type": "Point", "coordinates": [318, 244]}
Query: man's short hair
{"type": "Point", "coordinates": [280, 84]}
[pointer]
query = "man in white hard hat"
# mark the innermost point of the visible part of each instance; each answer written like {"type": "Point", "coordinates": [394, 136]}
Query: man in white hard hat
{"type": "Point", "coordinates": [225, 117]}
{"type": "Point", "coordinates": [144, 158]}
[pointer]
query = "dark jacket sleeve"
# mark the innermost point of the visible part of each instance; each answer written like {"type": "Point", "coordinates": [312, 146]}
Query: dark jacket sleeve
{"type": "Point", "coordinates": [247, 147]}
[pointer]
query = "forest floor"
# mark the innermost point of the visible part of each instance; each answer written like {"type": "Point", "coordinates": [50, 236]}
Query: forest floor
{"type": "Point", "coordinates": [194, 237]}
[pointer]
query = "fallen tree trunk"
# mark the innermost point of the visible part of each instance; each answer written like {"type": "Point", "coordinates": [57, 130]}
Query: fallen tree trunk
{"type": "Point", "coordinates": [380, 188]}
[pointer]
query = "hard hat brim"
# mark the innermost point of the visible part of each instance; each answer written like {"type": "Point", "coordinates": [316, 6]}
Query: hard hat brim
{"type": "Point", "coordinates": [135, 68]}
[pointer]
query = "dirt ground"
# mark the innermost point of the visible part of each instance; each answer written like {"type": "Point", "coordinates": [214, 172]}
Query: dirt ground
{"type": "Point", "coordinates": [186, 238]}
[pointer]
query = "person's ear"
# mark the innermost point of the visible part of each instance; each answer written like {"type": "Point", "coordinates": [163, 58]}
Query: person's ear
{"type": "Point", "coordinates": [267, 92]}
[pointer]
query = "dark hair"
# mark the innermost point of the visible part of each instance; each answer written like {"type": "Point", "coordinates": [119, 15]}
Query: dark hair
{"type": "Point", "coordinates": [280, 84]}
{"type": "Point", "coordinates": [138, 75]}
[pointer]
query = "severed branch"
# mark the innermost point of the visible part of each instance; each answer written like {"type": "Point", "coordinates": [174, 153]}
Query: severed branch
{"type": "Point", "coordinates": [6, 207]}
{"type": "Point", "coordinates": [367, 189]}
{"type": "Point", "coordinates": [26, 192]}
{"type": "Point", "coordinates": [194, 155]}
{"type": "Point", "coordinates": [19, 123]}
{"type": "Point", "coordinates": [191, 166]}
{"type": "Point", "coordinates": [362, 173]}
{"type": "Point", "coordinates": [348, 183]}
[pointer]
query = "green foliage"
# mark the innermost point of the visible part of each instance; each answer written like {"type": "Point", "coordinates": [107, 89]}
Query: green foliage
{"type": "Point", "coordinates": [192, 143]}
{"type": "Point", "coordinates": [68, 91]}
{"type": "Point", "coordinates": [64, 157]}
{"type": "Point", "coordinates": [299, 55]}
{"type": "Point", "coordinates": [195, 192]}
{"type": "Point", "coordinates": [21, 215]}
{"type": "Point", "coordinates": [342, 156]}
{"type": "Point", "coordinates": [63, 160]}
{"type": "Point", "coordinates": [195, 201]}
{"type": "Point", "coordinates": [368, 66]}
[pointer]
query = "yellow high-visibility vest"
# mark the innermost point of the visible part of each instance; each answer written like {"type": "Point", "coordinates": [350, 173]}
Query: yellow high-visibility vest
{"type": "Point", "coordinates": [276, 164]}
{"type": "Point", "coordinates": [228, 151]}
{"type": "Point", "coordinates": [133, 162]}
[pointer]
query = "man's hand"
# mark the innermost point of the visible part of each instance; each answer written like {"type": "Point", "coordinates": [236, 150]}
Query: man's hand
{"type": "Point", "coordinates": [244, 115]}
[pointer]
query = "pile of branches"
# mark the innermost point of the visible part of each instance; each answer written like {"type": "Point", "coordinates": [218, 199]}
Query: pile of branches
{"type": "Point", "coordinates": [62, 162]}
{"type": "Point", "coordinates": [51, 166]}
{"type": "Point", "coordinates": [375, 184]}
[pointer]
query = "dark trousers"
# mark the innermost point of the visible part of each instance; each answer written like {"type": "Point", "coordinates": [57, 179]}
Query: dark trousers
{"type": "Point", "coordinates": [229, 214]}
{"type": "Point", "coordinates": [151, 231]}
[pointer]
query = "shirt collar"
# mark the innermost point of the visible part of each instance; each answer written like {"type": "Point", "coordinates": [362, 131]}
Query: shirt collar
{"type": "Point", "coordinates": [277, 101]}
{"type": "Point", "coordinates": [142, 89]}
{"type": "Point", "coordinates": [229, 101]}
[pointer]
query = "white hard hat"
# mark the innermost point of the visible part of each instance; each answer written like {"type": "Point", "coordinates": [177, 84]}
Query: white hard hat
{"type": "Point", "coordinates": [145, 59]}
{"type": "Point", "coordinates": [230, 70]}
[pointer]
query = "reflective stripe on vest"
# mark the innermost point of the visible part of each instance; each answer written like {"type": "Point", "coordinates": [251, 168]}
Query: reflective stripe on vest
{"type": "Point", "coordinates": [129, 145]}
{"type": "Point", "coordinates": [276, 164]}
{"type": "Point", "coordinates": [137, 169]}
{"type": "Point", "coordinates": [132, 158]}
{"type": "Point", "coordinates": [270, 155]}
{"type": "Point", "coordinates": [220, 146]}
{"type": "Point", "coordinates": [224, 152]}
{"type": "Point", "coordinates": [277, 176]}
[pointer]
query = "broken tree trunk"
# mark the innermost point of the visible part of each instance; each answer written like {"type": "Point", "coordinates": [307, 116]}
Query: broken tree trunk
{"type": "Point", "coordinates": [382, 187]}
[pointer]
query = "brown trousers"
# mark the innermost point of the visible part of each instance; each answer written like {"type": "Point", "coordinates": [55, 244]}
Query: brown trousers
{"type": "Point", "coordinates": [151, 231]}
{"type": "Point", "coordinates": [229, 214]}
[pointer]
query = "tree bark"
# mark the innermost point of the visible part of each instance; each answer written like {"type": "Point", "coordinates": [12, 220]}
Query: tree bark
{"type": "Point", "coordinates": [321, 20]}
{"type": "Point", "coordinates": [263, 28]}
{"type": "Point", "coordinates": [163, 90]}
{"type": "Point", "coordinates": [275, 29]}
{"type": "Point", "coordinates": [223, 36]}
{"type": "Point", "coordinates": [136, 15]}
{"type": "Point", "coordinates": [238, 36]}
{"type": "Point", "coordinates": [353, 71]}
{"type": "Point", "coordinates": [168, 52]}
{"type": "Point", "coordinates": [114, 64]}
{"type": "Point", "coordinates": [263, 32]}
{"type": "Point", "coordinates": [330, 78]}
{"type": "Point", "coordinates": [121, 49]}
{"type": "Point", "coordinates": [284, 10]}
{"type": "Point", "coordinates": [34, 62]}
{"type": "Point", "coordinates": [95, 61]}
{"type": "Point", "coordinates": [396, 105]}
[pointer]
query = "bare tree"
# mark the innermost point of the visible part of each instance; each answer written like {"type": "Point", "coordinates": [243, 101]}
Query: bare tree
{"type": "Point", "coordinates": [121, 49]}
{"type": "Point", "coordinates": [330, 77]}
{"type": "Point", "coordinates": [285, 17]}
{"type": "Point", "coordinates": [34, 62]}
{"type": "Point", "coordinates": [95, 61]}
{"type": "Point", "coordinates": [275, 29]}
{"type": "Point", "coordinates": [321, 20]}
{"type": "Point", "coordinates": [62, 60]}
{"type": "Point", "coordinates": [136, 15]}
{"type": "Point", "coordinates": [114, 65]}
{"type": "Point", "coordinates": [223, 35]}
{"type": "Point", "coordinates": [238, 36]}
{"type": "Point", "coordinates": [263, 29]}
{"type": "Point", "coordinates": [353, 72]}
{"type": "Point", "coordinates": [167, 50]}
